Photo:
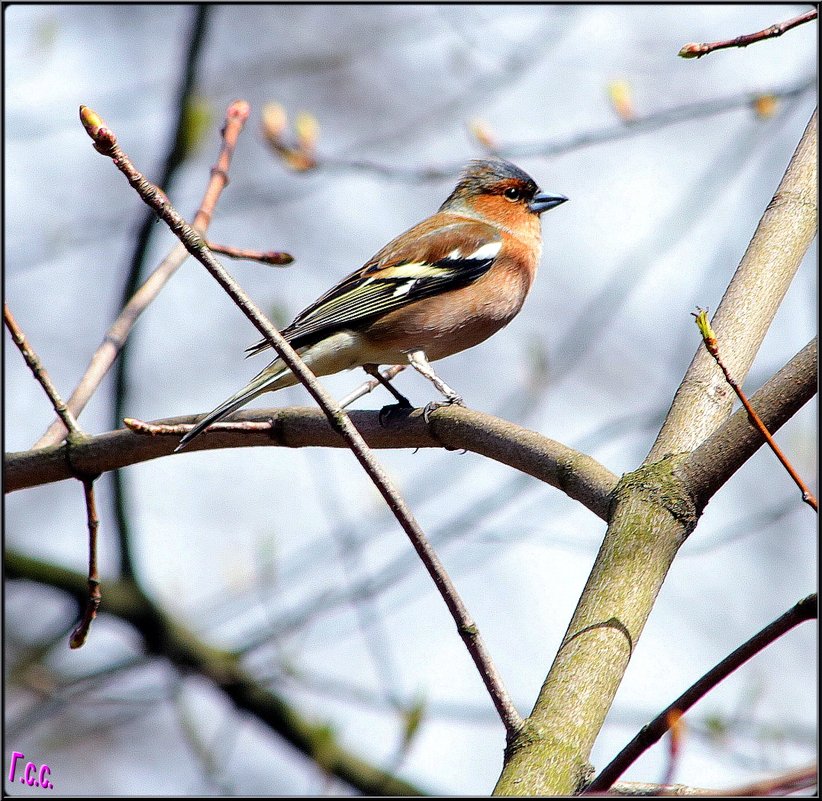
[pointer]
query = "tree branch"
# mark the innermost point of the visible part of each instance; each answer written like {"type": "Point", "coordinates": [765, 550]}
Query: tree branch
{"type": "Point", "coordinates": [736, 440]}
{"type": "Point", "coordinates": [694, 50]}
{"type": "Point", "coordinates": [115, 338]}
{"type": "Point", "coordinates": [105, 142]}
{"type": "Point", "coordinates": [576, 474]}
{"type": "Point", "coordinates": [652, 732]}
{"type": "Point", "coordinates": [166, 638]}
{"type": "Point", "coordinates": [786, 229]}
{"type": "Point", "coordinates": [653, 509]}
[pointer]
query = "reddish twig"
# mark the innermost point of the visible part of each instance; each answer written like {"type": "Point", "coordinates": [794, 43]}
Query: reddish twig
{"type": "Point", "coordinates": [712, 346]}
{"type": "Point", "coordinates": [105, 142]}
{"type": "Point", "coordinates": [109, 349]}
{"type": "Point", "coordinates": [80, 633]}
{"type": "Point", "coordinates": [275, 258]}
{"type": "Point", "coordinates": [650, 734]}
{"type": "Point", "coordinates": [694, 50]}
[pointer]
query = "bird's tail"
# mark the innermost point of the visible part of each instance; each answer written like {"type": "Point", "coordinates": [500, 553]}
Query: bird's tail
{"type": "Point", "coordinates": [264, 381]}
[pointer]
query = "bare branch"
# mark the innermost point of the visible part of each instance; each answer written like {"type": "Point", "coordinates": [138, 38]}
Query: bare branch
{"type": "Point", "coordinates": [273, 258]}
{"type": "Point", "coordinates": [38, 371]}
{"type": "Point", "coordinates": [650, 734]}
{"type": "Point", "coordinates": [579, 476]}
{"type": "Point", "coordinates": [171, 640]}
{"type": "Point", "coordinates": [80, 633]}
{"type": "Point", "coordinates": [109, 349]}
{"type": "Point", "coordinates": [693, 50]}
{"type": "Point", "coordinates": [105, 142]}
{"type": "Point", "coordinates": [712, 345]}
{"type": "Point", "coordinates": [736, 440]}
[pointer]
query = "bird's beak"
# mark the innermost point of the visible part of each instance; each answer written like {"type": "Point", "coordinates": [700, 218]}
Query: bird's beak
{"type": "Point", "coordinates": [542, 201]}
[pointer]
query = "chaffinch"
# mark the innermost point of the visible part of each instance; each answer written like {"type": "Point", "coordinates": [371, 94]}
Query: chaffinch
{"type": "Point", "coordinates": [445, 285]}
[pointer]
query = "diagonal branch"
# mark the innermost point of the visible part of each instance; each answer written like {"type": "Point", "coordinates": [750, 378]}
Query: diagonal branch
{"type": "Point", "coordinates": [652, 732]}
{"type": "Point", "coordinates": [736, 440]}
{"type": "Point", "coordinates": [170, 640]}
{"type": "Point", "coordinates": [105, 142]}
{"type": "Point", "coordinates": [578, 475]}
{"type": "Point", "coordinates": [76, 435]}
{"type": "Point", "coordinates": [115, 337]}
{"type": "Point", "coordinates": [788, 226]}
{"type": "Point", "coordinates": [694, 50]}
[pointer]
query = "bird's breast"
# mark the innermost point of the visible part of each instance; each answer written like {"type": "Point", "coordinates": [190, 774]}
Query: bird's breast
{"type": "Point", "coordinates": [451, 322]}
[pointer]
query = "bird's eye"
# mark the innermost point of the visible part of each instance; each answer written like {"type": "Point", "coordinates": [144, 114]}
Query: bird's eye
{"type": "Point", "coordinates": [512, 193]}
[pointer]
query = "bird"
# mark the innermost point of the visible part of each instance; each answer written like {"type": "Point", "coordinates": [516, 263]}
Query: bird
{"type": "Point", "coordinates": [445, 285]}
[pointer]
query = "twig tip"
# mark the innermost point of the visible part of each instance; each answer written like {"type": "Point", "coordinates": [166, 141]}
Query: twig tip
{"type": "Point", "coordinates": [691, 50]}
{"type": "Point", "coordinates": [239, 110]}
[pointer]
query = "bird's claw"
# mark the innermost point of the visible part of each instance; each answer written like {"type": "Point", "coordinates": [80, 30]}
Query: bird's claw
{"type": "Point", "coordinates": [392, 408]}
{"type": "Point", "coordinates": [451, 400]}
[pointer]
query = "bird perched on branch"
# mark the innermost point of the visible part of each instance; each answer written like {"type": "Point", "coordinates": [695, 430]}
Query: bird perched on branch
{"type": "Point", "coordinates": [445, 285]}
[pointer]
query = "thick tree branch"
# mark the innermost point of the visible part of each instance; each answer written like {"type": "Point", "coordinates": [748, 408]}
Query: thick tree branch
{"type": "Point", "coordinates": [579, 476]}
{"type": "Point", "coordinates": [786, 229]}
{"type": "Point", "coordinates": [166, 638]}
{"type": "Point", "coordinates": [653, 509]}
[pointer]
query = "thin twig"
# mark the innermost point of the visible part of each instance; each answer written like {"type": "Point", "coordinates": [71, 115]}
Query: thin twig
{"type": "Point", "coordinates": [370, 385]}
{"type": "Point", "coordinates": [275, 258]}
{"type": "Point", "coordinates": [730, 446]}
{"type": "Point", "coordinates": [105, 142]}
{"type": "Point", "coordinates": [694, 50]}
{"type": "Point", "coordinates": [159, 429]}
{"type": "Point", "coordinates": [109, 349]}
{"type": "Point", "coordinates": [39, 372]}
{"type": "Point", "coordinates": [80, 633]}
{"type": "Point", "coordinates": [651, 733]}
{"type": "Point", "coordinates": [712, 346]}
{"type": "Point", "coordinates": [542, 148]}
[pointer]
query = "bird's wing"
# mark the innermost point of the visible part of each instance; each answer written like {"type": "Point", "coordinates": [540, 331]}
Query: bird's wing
{"type": "Point", "coordinates": [422, 262]}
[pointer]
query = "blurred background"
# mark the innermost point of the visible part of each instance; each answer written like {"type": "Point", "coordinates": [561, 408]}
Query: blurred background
{"type": "Point", "coordinates": [290, 554]}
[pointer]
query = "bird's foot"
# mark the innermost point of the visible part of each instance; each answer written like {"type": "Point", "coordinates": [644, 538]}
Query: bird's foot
{"type": "Point", "coordinates": [451, 400]}
{"type": "Point", "coordinates": [392, 409]}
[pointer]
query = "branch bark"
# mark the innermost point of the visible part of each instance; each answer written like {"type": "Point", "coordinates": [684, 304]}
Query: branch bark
{"type": "Point", "coordinates": [576, 474]}
{"type": "Point", "coordinates": [168, 639]}
{"type": "Point", "coordinates": [653, 510]}
{"type": "Point", "coordinates": [787, 228]}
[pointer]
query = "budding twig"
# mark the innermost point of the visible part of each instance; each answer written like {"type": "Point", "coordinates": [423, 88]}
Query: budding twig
{"type": "Point", "coordinates": [694, 50]}
{"type": "Point", "coordinates": [105, 142]}
{"type": "Point", "coordinates": [712, 346]}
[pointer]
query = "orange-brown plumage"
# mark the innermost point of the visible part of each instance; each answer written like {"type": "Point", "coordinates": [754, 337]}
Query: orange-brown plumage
{"type": "Point", "coordinates": [444, 285]}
